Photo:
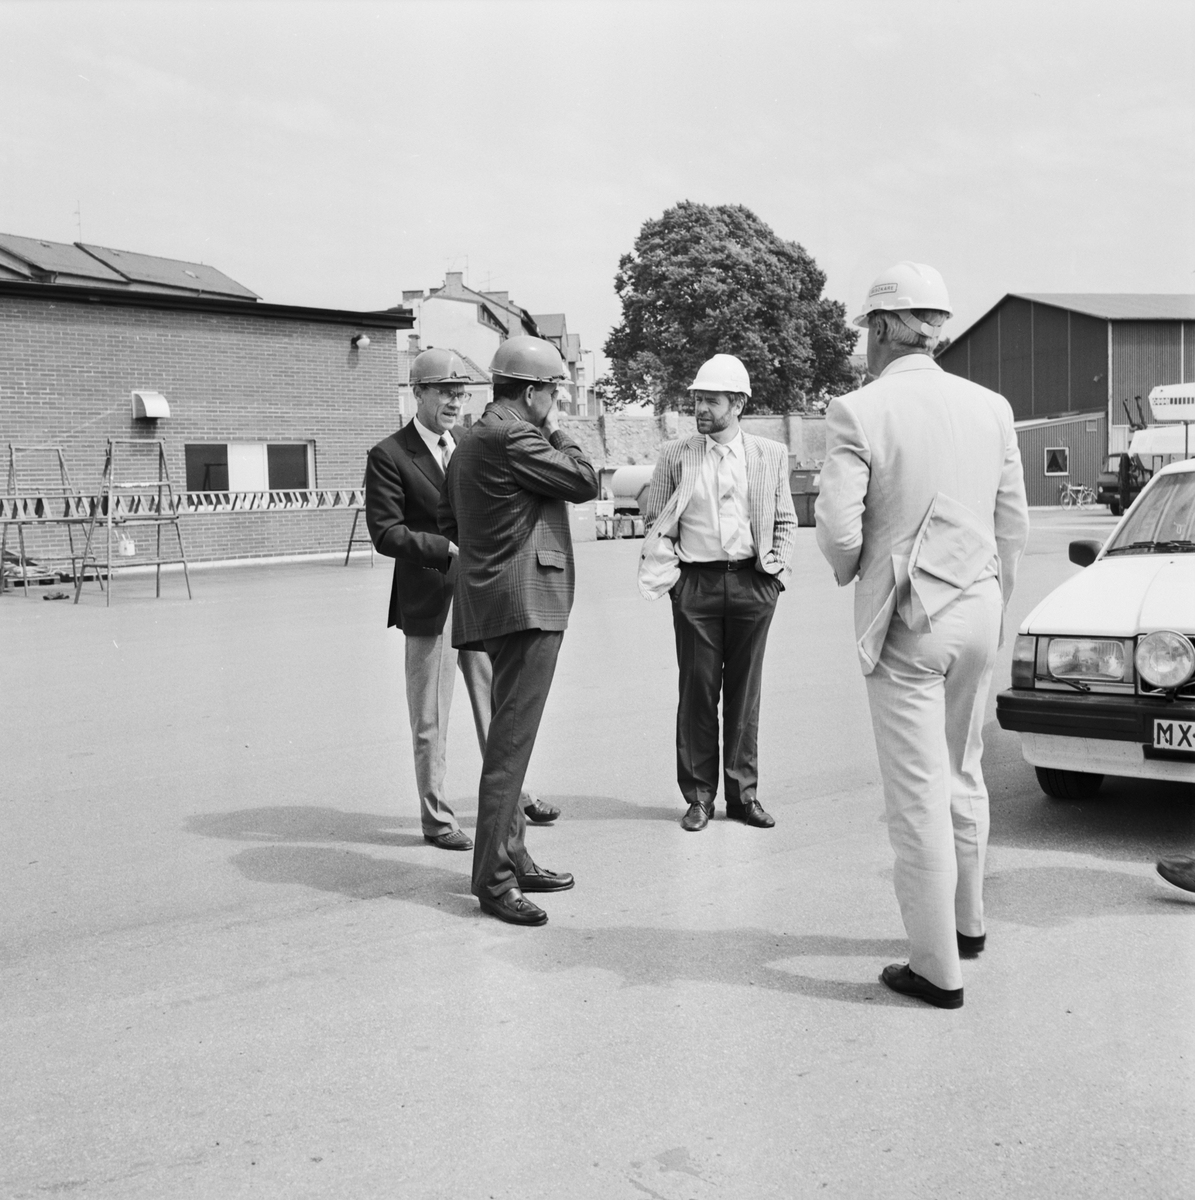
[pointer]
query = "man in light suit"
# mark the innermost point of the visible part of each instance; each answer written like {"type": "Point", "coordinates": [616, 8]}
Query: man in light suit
{"type": "Point", "coordinates": [403, 476]}
{"type": "Point", "coordinates": [721, 530]}
{"type": "Point", "coordinates": [503, 503]}
{"type": "Point", "coordinates": [922, 503]}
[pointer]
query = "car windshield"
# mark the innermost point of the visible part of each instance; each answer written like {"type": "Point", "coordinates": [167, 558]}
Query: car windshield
{"type": "Point", "coordinates": [1163, 521]}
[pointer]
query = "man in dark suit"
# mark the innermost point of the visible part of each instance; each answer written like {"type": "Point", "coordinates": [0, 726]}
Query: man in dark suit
{"type": "Point", "coordinates": [503, 503]}
{"type": "Point", "coordinates": [402, 490]}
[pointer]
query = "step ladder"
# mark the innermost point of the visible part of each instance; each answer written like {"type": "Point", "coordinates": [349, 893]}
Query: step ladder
{"type": "Point", "coordinates": [124, 503]}
{"type": "Point", "coordinates": [354, 540]}
{"type": "Point", "coordinates": [39, 493]}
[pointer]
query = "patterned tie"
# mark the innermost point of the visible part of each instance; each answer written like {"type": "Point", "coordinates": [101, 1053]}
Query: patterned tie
{"type": "Point", "coordinates": [444, 456]}
{"type": "Point", "coordinates": [728, 516]}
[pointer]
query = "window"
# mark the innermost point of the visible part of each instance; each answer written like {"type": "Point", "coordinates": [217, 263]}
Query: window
{"type": "Point", "coordinates": [1058, 460]}
{"type": "Point", "coordinates": [207, 468]}
{"type": "Point", "coordinates": [249, 466]}
{"type": "Point", "coordinates": [287, 467]}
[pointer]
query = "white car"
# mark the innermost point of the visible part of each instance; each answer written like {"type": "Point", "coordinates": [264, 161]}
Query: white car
{"type": "Point", "coordinates": [1103, 671]}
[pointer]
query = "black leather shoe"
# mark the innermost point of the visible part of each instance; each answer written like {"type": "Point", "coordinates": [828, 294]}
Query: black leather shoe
{"type": "Point", "coordinates": [454, 839]}
{"type": "Point", "coordinates": [1178, 871]}
{"type": "Point", "coordinates": [540, 813]}
{"type": "Point", "coordinates": [697, 817]}
{"type": "Point", "coordinates": [968, 946]}
{"type": "Point", "coordinates": [901, 979]}
{"type": "Point", "coordinates": [512, 908]}
{"type": "Point", "coordinates": [750, 814]}
{"type": "Point", "coordinates": [540, 879]}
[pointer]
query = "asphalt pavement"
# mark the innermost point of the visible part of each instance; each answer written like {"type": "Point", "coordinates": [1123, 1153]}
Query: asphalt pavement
{"type": "Point", "coordinates": [230, 966]}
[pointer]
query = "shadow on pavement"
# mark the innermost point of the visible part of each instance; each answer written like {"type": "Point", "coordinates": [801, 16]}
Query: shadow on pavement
{"type": "Point", "coordinates": [1050, 896]}
{"type": "Point", "coordinates": [609, 808]}
{"type": "Point", "coordinates": [361, 876]}
{"type": "Point", "coordinates": [1129, 819]}
{"type": "Point", "coordinates": [303, 823]}
{"type": "Point", "coordinates": [742, 957]}
{"type": "Point", "coordinates": [641, 957]}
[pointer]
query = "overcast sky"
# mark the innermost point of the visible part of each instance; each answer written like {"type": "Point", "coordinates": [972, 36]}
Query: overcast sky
{"type": "Point", "coordinates": [334, 154]}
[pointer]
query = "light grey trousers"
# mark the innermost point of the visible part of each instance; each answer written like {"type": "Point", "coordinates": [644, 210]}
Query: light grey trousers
{"type": "Point", "coordinates": [431, 665]}
{"type": "Point", "coordinates": [927, 695]}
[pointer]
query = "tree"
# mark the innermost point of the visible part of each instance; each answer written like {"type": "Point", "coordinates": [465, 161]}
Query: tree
{"type": "Point", "coordinates": [703, 280]}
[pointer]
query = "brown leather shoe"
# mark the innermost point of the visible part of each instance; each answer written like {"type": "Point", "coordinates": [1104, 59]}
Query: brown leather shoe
{"type": "Point", "coordinates": [900, 978]}
{"type": "Point", "coordinates": [540, 813]}
{"type": "Point", "coordinates": [697, 817]}
{"type": "Point", "coordinates": [750, 813]}
{"type": "Point", "coordinates": [512, 908]}
{"type": "Point", "coordinates": [540, 879]}
{"type": "Point", "coordinates": [454, 839]}
{"type": "Point", "coordinates": [1178, 871]}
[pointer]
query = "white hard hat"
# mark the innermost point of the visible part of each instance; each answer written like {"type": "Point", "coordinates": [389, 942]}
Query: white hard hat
{"type": "Point", "coordinates": [904, 286]}
{"type": "Point", "coordinates": [722, 373]}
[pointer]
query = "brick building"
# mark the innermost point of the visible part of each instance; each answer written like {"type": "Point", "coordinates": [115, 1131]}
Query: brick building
{"type": "Point", "coordinates": [259, 396]}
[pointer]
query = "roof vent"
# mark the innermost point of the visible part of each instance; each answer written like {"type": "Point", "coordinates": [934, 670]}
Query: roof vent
{"type": "Point", "coordinates": [191, 273]}
{"type": "Point", "coordinates": [149, 406]}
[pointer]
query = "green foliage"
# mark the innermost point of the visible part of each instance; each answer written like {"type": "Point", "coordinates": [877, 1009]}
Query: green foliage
{"type": "Point", "coordinates": [703, 280]}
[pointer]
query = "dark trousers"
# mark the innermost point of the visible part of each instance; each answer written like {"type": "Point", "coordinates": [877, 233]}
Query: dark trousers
{"type": "Point", "coordinates": [524, 664]}
{"type": "Point", "coordinates": [721, 619]}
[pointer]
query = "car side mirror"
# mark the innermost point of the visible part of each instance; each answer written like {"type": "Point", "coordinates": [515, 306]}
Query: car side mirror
{"type": "Point", "coordinates": [1083, 552]}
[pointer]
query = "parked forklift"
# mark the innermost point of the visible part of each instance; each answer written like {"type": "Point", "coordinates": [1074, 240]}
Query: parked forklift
{"type": "Point", "coordinates": [1124, 475]}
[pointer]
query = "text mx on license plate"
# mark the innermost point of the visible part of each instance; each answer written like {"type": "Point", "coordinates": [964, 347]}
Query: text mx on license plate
{"type": "Point", "coordinates": [1174, 735]}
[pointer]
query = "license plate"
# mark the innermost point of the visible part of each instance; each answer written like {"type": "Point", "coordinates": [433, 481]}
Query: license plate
{"type": "Point", "coordinates": [1174, 735]}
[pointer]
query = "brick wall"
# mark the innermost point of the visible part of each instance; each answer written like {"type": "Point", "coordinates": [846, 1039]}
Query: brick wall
{"type": "Point", "coordinates": [67, 371]}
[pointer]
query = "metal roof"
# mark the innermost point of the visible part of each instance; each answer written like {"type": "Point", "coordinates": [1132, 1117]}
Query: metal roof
{"type": "Point", "coordinates": [118, 268]}
{"type": "Point", "coordinates": [115, 297]}
{"type": "Point", "coordinates": [169, 272]}
{"type": "Point", "coordinates": [1119, 306]}
{"type": "Point", "coordinates": [57, 258]}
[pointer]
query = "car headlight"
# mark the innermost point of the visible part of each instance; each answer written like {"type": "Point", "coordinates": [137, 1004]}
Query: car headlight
{"type": "Point", "coordinates": [1086, 658]}
{"type": "Point", "coordinates": [1165, 659]}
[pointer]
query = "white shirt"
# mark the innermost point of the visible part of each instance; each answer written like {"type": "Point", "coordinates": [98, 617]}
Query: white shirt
{"type": "Point", "coordinates": [714, 528]}
{"type": "Point", "coordinates": [432, 441]}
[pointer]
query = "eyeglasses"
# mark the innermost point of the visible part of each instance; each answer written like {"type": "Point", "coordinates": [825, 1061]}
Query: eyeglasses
{"type": "Point", "coordinates": [455, 393]}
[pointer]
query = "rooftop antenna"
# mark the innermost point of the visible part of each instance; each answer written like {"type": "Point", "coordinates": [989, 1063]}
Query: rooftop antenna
{"type": "Point", "coordinates": [79, 217]}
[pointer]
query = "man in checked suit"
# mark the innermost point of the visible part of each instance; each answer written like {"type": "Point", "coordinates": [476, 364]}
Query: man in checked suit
{"type": "Point", "coordinates": [403, 477]}
{"type": "Point", "coordinates": [722, 528]}
{"type": "Point", "coordinates": [503, 504]}
{"type": "Point", "coordinates": [922, 503]}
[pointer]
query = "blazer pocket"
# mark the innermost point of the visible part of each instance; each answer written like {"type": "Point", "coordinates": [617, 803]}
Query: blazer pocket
{"type": "Point", "coordinates": [552, 558]}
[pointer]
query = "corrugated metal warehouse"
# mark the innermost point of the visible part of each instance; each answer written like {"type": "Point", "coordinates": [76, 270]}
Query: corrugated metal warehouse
{"type": "Point", "coordinates": [1059, 451]}
{"type": "Point", "coordinates": [1079, 356]}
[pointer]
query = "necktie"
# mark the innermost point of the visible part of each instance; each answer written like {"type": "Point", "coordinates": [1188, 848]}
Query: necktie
{"type": "Point", "coordinates": [728, 517]}
{"type": "Point", "coordinates": [443, 444]}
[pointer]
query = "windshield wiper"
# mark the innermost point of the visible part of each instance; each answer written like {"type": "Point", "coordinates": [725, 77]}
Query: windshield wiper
{"type": "Point", "coordinates": [1176, 545]}
{"type": "Point", "coordinates": [1079, 687]}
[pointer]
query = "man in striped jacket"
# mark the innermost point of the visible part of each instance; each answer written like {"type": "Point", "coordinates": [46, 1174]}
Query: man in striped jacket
{"type": "Point", "coordinates": [721, 530]}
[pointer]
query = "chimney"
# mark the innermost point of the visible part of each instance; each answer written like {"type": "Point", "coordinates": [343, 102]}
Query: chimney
{"type": "Point", "coordinates": [407, 297]}
{"type": "Point", "coordinates": [498, 297]}
{"type": "Point", "coordinates": [412, 343]}
{"type": "Point", "coordinates": [454, 282]}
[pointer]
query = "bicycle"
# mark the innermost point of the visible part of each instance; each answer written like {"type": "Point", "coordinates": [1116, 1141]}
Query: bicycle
{"type": "Point", "coordinates": [1075, 495]}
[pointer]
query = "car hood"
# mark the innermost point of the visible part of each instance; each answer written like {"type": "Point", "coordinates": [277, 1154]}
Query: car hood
{"type": "Point", "coordinates": [1121, 597]}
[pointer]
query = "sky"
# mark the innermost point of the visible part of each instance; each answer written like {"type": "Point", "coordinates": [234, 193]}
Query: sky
{"type": "Point", "coordinates": [335, 154]}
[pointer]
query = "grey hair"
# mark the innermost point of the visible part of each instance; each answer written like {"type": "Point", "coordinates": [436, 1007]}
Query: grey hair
{"type": "Point", "coordinates": [901, 334]}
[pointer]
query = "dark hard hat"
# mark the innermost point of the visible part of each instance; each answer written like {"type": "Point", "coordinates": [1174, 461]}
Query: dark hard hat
{"type": "Point", "coordinates": [439, 366]}
{"type": "Point", "coordinates": [528, 358]}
